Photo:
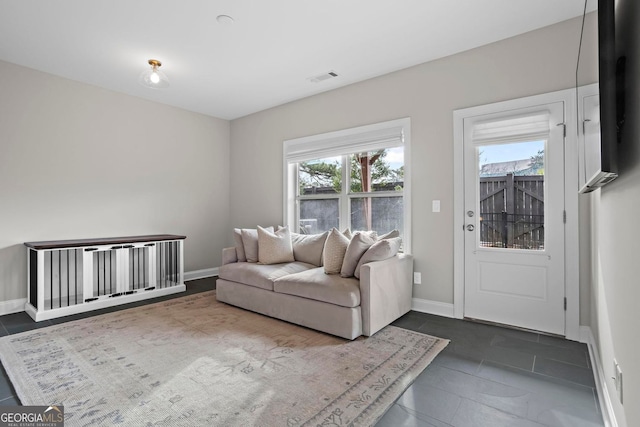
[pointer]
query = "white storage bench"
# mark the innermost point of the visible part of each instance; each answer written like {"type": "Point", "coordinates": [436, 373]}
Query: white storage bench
{"type": "Point", "coordinates": [73, 276]}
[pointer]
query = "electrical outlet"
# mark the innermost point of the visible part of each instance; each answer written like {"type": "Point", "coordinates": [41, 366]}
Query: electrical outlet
{"type": "Point", "coordinates": [417, 278]}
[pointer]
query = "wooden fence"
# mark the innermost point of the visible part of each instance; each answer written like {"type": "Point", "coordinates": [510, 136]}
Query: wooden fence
{"type": "Point", "coordinates": [512, 212]}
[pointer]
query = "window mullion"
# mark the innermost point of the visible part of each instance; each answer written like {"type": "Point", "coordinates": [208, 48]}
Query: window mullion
{"type": "Point", "coordinates": [295, 225]}
{"type": "Point", "coordinates": [374, 194]}
{"type": "Point", "coordinates": [345, 209]}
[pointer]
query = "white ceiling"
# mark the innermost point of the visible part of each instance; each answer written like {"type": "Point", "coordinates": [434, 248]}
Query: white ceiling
{"type": "Point", "coordinates": [266, 56]}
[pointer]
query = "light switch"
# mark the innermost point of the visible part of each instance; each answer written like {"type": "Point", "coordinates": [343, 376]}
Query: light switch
{"type": "Point", "coordinates": [417, 278]}
{"type": "Point", "coordinates": [435, 206]}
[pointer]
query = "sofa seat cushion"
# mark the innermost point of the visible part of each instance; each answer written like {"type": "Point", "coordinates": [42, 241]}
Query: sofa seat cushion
{"type": "Point", "coordinates": [316, 285]}
{"type": "Point", "coordinates": [258, 275]}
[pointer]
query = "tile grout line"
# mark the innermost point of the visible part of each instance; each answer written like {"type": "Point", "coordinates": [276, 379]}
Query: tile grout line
{"type": "Point", "coordinates": [540, 374]}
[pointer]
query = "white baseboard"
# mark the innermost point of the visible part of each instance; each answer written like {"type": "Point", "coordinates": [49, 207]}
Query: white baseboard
{"type": "Point", "coordinates": [12, 306]}
{"type": "Point", "coordinates": [200, 274]}
{"type": "Point", "coordinates": [608, 415]}
{"type": "Point", "coordinates": [432, 307]}
{"type": "Point", "coordinates": [17, 305]}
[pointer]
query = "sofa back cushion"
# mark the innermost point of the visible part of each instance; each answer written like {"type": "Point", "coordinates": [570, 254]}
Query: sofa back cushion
{"type": "Point", "coordinates": [237, 239]}
{"type": "Point", "coordinates": [308, 247]}
{"type": "Point", "coordinates": [274, 247]}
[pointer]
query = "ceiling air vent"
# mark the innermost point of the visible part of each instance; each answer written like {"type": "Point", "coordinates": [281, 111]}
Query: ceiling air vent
{"type": "Point", "coordinates": [322, 77]}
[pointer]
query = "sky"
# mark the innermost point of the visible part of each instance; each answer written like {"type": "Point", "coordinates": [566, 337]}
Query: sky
{"type": "Point", "coordinates": [497, 153]}
{"type": "Point", "coordinates": [395, 157]}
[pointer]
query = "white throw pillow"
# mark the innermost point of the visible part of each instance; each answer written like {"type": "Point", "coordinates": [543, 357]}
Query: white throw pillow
{"type": "Point", "coordinates": [380, 250]}
{"type": "Point", "coordinates": [274, 247]}
{"type": "Point", "coordinates": [334, 250]}
{"type": "Point", "coordinates": [371, 233]}
{"type": "Point", "coordinates": [389, 235]}
{"type": "Point", "coordinates": [358, 245]}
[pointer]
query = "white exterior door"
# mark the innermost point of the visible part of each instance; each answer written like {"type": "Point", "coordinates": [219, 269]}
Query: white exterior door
{"type": "Point", "coordinates": [514, 240]}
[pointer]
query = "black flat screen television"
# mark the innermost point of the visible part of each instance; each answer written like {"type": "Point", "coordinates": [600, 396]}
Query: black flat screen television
{"type": "Point", "coordinates": [611, 89]}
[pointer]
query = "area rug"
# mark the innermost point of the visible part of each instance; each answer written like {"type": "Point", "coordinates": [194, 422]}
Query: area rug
{"type": "Point", "coordinates": [193, 361]}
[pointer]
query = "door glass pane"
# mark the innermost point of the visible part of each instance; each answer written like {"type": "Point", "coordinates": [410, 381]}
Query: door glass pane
{"type": "Point", "coordinates": [511, 195]}
{"type": "Point", "coordinates": [318, 215]}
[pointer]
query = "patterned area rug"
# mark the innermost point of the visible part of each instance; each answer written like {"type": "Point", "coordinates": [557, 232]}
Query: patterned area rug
{"type": "Point", "coordinates": [193, 361]}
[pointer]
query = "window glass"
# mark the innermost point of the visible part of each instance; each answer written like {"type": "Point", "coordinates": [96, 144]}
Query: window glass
{"type": "Point", "coordinates": [382, 214]}
{"type": "Point", "coordinates": [381, 170]}
{"type": "Point", "coordinates": [318, 215]}
{"type": "Point", "coordinates": [350, 178]}
{"type": "Point", "coordinates": [511, 194]}
{"type": "Point", "coordinates": [321, 189]}
{"type": "Point", "coordinates": [321, 176]}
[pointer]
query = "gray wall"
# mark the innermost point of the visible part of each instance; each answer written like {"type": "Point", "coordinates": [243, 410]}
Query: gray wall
{"type": "Point", "coordinates": [615, 320]}
{"type": "Point", "coordinates": [77, 161]}
{"type": "Point", "coordinates": [533, 63]}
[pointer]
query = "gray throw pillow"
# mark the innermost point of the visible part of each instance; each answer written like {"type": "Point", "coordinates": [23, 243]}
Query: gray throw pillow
{"type": "Point", "coordinates": [308, 247]}
{"type": "Point", "coordinates": [358, 245]}
{"type": "Point", "coordinates": [380, 250]}
{"type": "Point", "coordinates": [237, 238]}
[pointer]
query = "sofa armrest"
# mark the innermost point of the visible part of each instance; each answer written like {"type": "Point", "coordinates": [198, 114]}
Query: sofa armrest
{"type": "Point", "coordinates": [229, 255]}
{"type": "Point", "coordinates": [386, 291]}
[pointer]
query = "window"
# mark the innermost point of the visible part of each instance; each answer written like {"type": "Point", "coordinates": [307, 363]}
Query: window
{"type": "Point", "coordinates": [356, 178]}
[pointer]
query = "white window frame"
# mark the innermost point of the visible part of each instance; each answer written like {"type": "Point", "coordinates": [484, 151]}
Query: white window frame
{"type": "Point", "coordinates": [393, 133]}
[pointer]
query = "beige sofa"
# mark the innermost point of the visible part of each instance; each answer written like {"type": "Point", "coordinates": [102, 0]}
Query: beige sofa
{"type": "Point", "coordinates": [301, 293]}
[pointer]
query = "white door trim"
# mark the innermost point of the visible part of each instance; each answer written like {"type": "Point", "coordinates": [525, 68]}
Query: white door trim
{"type": "Point", "coordinates": [572, 290]}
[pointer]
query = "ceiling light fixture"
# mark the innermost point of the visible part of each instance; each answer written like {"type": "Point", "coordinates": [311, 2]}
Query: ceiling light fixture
{"type": "Point", "coordinates": [153, 77]}
{"type": "Point", "coordinates": [224, 19]}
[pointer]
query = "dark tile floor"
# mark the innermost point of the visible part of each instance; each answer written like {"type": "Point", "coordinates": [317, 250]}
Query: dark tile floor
{"type": "Point", "coordinates": [487, 376]}
{"type": "Point", "coordinates": [492, 376]}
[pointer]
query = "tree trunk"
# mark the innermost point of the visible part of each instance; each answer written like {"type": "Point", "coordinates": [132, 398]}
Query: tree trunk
{"type": "Point", "coordinates": [366, 187]}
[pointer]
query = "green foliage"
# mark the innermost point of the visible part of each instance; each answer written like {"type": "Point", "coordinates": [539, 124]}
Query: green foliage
{"type": "Point", "coordinates": [537, 162]}
{"type": "Point", "coordinates": [328, 174]}
{"type": "Point", "coordinates": [320, 174]}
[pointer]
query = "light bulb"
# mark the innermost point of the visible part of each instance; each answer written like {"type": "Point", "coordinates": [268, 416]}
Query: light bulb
{"type": "Point", "coordinates": [154, 78]}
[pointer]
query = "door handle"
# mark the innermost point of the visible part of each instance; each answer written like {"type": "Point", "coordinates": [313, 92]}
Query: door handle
{"type": "Point", "coordinates": [470, 227]}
